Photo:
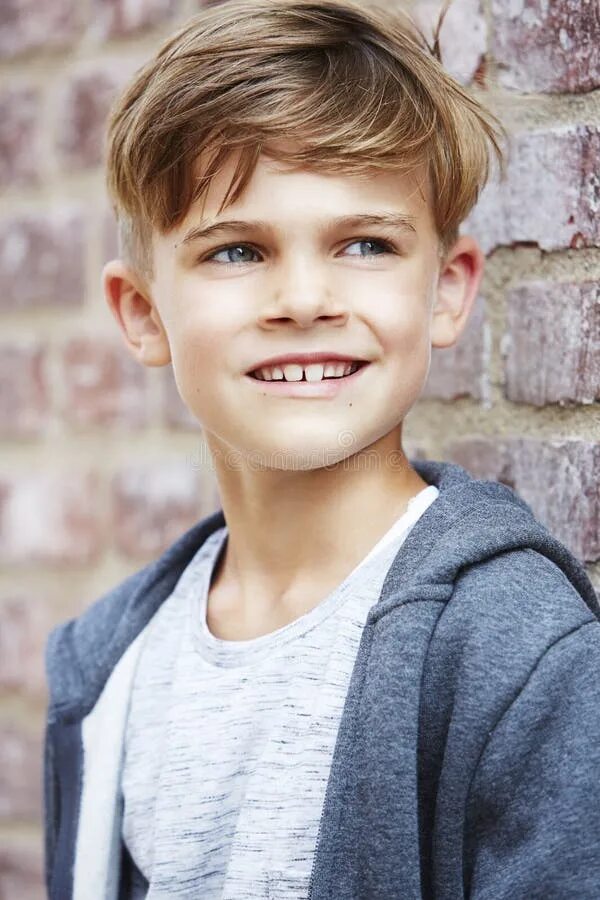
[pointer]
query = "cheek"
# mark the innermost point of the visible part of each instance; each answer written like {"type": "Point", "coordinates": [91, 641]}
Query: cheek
{"type": "Point", "coordinates": [396, 306]}
{"type": "Point", "coordinates": [202, 339]}
{"type": "Point", "coordinates": [403, 335]}
{"type": "Point", "coordinates": [403, 327]}
{"type": "Point", "coordinates": [196, 357]}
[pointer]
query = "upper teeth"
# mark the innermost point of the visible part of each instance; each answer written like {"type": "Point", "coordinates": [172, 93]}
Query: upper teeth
{"type": "Point", "coordinates": [314, 371]}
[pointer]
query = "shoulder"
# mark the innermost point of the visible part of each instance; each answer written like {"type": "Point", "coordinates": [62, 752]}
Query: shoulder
{"type": "Point", "coordinates": [503, 615]}
{"type": "Point", "coordinates": [506, 618]}
{"type": "Point", "coordinates": [522, 592]}
{"type": "Point", "coordinates": [81, 653]}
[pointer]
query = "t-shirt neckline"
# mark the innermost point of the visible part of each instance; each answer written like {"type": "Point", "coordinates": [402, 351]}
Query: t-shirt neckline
{"type": "Point", "coordinates": [228, 653]}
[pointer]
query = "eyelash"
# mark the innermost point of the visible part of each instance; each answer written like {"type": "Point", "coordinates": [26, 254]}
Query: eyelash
{"type": "Point", "coordinates": [389, 248]}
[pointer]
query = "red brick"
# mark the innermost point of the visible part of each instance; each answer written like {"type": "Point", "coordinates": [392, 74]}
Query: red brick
{"type": "Point", "coordinates": [20, 772]}
{"type": "Point", "coordinates": [153, 504]}
{"type": "Point", "coordinates": [24, 391]}
{"type": "Point", "coordinates": [176, 415]}
{"type": "Point", "coordinates": [463, 35]}
{"type": "Point", "coordinates": [22, 869]}
{"type": "Point", "coordinates": [50, 517]}
{"type": "Point", "coordinates": [42, 260]}
{"type": "Point", "coordinates": [84, 107]}
{"type": "Point", "coordinates": [20, 151]}
{"type": "Point", "coordinates": [558, 478]}
{"type": "Point", "coordinates": [460, 371]}
{"type": "Point", "coordinates": [552, 343]}
{"type": "Point", "coordinates": [547, 46]}
{"type": "Point", "coordinates": [25, 622]}
{"type": "Point", "coordinates": [103, 384]}
{"type": "Point", "coordinates": [27, 25]}
{"type": "Point", "coordinates": [120, 18]}
{"type": "Point", "coordinates": [551, 195]}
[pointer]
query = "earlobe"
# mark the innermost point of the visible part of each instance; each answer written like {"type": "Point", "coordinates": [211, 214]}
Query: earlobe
{"type": "Point", "coordinates": [136, 315]}
{"type": "Point", "coordinates": [456, 291]}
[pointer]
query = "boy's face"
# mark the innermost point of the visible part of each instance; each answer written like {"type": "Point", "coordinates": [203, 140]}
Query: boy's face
{"type": "Point", "coordinates": [300, 282]}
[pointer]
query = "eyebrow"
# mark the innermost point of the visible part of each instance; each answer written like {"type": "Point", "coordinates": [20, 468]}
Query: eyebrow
{"type": "Point", "coordinates": [394, 220]}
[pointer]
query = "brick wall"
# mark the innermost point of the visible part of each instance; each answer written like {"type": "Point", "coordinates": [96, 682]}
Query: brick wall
{"type": "Point", "coordinates": [102, 466]}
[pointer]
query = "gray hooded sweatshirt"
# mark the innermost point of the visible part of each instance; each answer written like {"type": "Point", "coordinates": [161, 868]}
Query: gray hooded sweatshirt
{"type": "Point", "coordinates": [467, 760]}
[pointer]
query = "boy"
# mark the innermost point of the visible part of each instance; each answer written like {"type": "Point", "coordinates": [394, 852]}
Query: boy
{"type": "Point", "coordinates": [364, 676]}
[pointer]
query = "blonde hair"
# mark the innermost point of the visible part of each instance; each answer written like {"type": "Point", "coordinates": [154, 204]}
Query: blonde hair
{"type": "Point", "coordinates": [358, 89]}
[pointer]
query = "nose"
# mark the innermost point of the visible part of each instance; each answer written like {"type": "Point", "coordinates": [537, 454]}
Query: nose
{"type": "Point", "coordinates": [302, 296]}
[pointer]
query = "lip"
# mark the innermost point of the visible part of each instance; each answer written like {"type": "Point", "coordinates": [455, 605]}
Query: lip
{"type": "Point", "coordinates": [325, 389]}
{"type": "Point", "coordinates": [305, 359]}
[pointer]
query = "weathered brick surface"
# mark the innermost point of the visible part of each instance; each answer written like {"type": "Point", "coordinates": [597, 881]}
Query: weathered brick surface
{"type": "Point", "coordinates": [20, 152]}
{"type": "Point", "coordinates": [69, 520]}
{"type": "Point", "coordinates": [21, 869]}
{"type": "Point", "coordinates": [20, 773]}
{"type": "Point", "coordinates": [103, 384]}
{"type": "Point", "coordinates": [24, 390]}
{"type": "Point", "coordinates": [25, 621]}
{"type": "Point", "coordinates": [559, 479]}
{"type": "Point", "coordinates": [84, 107]}
{"type": "Point", "coordinates": [552, 343]}
{"type": "Point", "coordinates": [153, 504]}
{"type": "Point", "coordinates": [463, 35]}
{"type": "Point", "coordinates": [42, 259]}
{"type": "Point", "coordinates": [551, 195]}
{"type": "Point", "coordinates": [27, 25]}
{"type": "Point", "coordinates": [121, 18]}
{"type": "Point", "coordinates": [461, 370]}
{"type": "Point", "coordinates": [547, 46]}
{"type": "Point", "coordinates": [48, 517]}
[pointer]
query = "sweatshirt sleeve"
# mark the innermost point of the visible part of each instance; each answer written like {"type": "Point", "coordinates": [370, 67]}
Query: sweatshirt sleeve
{"type": "Point", "coordinates": [533, 816]}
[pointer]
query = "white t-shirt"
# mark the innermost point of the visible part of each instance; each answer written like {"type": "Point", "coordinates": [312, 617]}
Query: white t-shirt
{"type": "Point", "coordinates": [229, 743]}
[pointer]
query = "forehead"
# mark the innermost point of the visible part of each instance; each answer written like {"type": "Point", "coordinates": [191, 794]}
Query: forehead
{"type": "Point", "coordinates": [275, 184]}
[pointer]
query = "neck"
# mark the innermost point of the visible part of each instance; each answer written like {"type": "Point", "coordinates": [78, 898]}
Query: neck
{"type": "Point", "coordinates": [293, 531]}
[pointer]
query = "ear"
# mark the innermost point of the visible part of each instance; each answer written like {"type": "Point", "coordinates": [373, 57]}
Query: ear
{"type": "Point", "coordinates": [458, 283]}
{"type": "Point", "coordinates": [131, 304]}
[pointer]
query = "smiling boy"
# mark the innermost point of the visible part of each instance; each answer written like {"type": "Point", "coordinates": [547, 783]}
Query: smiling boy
{"type": "Point", "coordinates": [311, 291]}
{"type": "Point", "coordinates": [364, 676]}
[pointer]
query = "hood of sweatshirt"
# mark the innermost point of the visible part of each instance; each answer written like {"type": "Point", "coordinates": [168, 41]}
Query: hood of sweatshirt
{"type": "Point", "coordinates": [470, 521]}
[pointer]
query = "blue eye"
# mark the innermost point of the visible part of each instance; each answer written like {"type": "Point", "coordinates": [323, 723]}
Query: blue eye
{"type": "Point", "coordinates": [232, 249]}
{"type": "Point", "coordinates": [235, 252]}
{"type": "Point", "coordinates": [374, 243]}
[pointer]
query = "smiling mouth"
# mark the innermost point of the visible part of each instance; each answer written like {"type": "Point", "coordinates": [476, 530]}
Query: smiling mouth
{"type": "Point", "coordinates": [356, 365]}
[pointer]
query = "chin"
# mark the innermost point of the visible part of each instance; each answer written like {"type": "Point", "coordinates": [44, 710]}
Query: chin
{"type": "Point", "coordinates": [300, 458]}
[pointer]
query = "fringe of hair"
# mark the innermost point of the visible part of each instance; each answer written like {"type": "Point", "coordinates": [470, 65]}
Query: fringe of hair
{"type": "Point", "coordinates": [359, 89]}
